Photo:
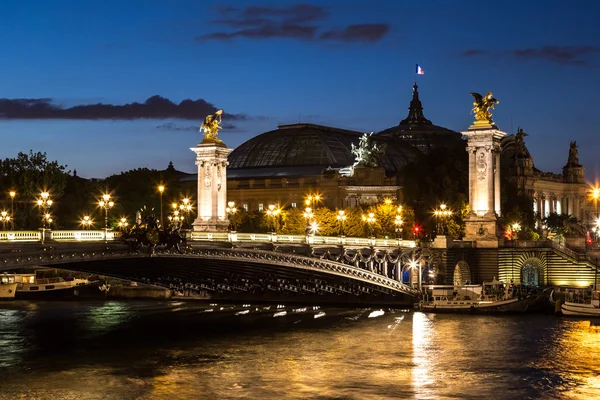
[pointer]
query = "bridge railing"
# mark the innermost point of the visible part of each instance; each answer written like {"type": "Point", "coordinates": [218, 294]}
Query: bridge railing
{"type": "Point", "coordinates": [100, 235]}
{"type": "Point", "coordinates": [82, 236]}
{"type": "Point", "coordinates": [20, 236]}
{"type": "Point", "coordinates": [291, 239]}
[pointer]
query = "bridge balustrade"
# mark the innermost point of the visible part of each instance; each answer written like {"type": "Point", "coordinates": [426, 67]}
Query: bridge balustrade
{"type": "Point", "coordinates": [20, 236]}
{"type": "Point", "coordinates": [100, 235]}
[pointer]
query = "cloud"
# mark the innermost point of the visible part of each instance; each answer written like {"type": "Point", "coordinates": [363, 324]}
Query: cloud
{"type": "Point", "coordinates": [358, 33]}
{"type": "Point", "coordinates": [299, 22]}
{"type": "Point", "coordinates": [155, 107]}
{"type": "Point", "coordinates": [566, 55]}
{"type": "Point", "coordinates": [171, 126]}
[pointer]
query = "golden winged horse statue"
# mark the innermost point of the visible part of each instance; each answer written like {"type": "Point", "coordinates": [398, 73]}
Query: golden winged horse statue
{"type": "Point", "coordinates": [211, 127]}
{"type": "Point", "coordinates": [482, 106]}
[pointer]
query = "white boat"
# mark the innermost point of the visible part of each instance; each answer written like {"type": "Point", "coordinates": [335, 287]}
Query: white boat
{"type": "Point", "coordinates": [30, 287]}
{"type": "Point", "coordinates": [8, 286]}
{"type": "Point", "coordinates": [491, 297]}
{"type": "Point", "coordinates": [581, 303]}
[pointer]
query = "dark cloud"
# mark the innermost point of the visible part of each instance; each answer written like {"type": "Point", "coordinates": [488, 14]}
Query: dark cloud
{"type": "Point", "coordinates": [358, 33]}
{"type": "Point", "coordinates": [171, 126]}
{"type": "Point", "coordinates": [473, 52]}
{"type": "Point", "coordinates": [300, 22]}
{"type": "Point", "coordinates": [156, 107]}
{"type": "Point", "coordinates": [569, 55]}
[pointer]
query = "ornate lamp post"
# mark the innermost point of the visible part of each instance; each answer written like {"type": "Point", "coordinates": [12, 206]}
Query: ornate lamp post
{"type": "Point", "coordinates": [44, 203]}
{"type": "Point", "coordinates": [4, 217]}
{"type": "Point", "coordinates": [370, 220]}
{"type": "Point", "coordinates": [123, 223]}
{"type": "Point", "coordinates": [416, 264]}
{"type": "Point", "coordinates": [308, 215]}
{"type": "Point", "coordinates": [161, 189]}
{"type": "Point", "coordinates": [106, 203]}
{"type": "Point", "coordinates": [341, 217]}
{"type": "Point", "coordinates": [231, 210]}
{"type": "Point", "coordinates": [273, 213]}
{"type": "Point", "coordinates": [441, 215]}
{"type": "Point", "coordinates": [86, 221]}
{"type": "Point", "coordinates": [12, 195]}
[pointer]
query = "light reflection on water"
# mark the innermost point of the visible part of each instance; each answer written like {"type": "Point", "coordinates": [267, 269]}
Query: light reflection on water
{"type": "Point", "coordinates": [145, 350]}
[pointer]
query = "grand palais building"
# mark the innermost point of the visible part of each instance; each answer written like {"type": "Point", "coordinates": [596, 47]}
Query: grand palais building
{"type": "Point", "coordinates": [285, 165]}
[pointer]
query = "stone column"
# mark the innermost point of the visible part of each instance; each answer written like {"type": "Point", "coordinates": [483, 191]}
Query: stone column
{"type": "Point", "coordinates": [472, 180]}
{"type": "Point", "coordinates": [211, 159]}
{"type": "Point", "coordinates": [497, 200]}
{"type": "Point", "coordinates": [484, 184]}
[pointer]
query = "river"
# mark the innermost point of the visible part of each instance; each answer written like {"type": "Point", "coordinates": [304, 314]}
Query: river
{"type": "Point", "coordinates": [177, 350]}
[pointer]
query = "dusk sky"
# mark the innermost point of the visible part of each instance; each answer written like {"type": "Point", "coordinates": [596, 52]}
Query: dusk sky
{"type": "Point", "coordinates": [348, 64]}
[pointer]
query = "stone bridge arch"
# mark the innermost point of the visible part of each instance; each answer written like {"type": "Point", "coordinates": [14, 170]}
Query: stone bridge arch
{"type": "Point", "coordinates": [462, 273]}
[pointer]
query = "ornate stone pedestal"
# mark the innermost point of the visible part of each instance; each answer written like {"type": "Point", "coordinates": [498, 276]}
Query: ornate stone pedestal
{"type": "Point", "coordinates": [211, 159]}
{"type": "Point", "coordinates": [484, 184]}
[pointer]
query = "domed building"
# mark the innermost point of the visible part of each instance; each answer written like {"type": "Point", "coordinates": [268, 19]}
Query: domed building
{"type": "Point", "coordinates": [418, 131]}
{"type": "Point", "coordinates": [286, 164]}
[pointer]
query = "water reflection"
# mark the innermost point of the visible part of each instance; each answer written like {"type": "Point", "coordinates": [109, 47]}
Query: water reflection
{"type": "Point", "coordinates": [422, 356]}
{"type": "Point", "coordinates": [178, 351]}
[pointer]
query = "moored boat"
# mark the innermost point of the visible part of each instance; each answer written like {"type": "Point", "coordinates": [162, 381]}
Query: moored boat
{"type": "Point", "coordinates": [581, 303]}
{"type": "Point", "coordinates": [8, 286]}
{"type": "Point", "coordinates": [30, 287]}
{"type": "Point", "coordinates": [491, 297]}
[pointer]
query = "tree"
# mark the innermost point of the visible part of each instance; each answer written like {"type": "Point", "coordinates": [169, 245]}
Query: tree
{"type": "Point", "coordinates": [30, 174]}
{"type": "Point", "coordinates": [354, 226]}
{"type": "Point", "coordinates": [559, 224]}
{"type": "Point", "coordinates": [326, 221]}
{"type": "Point", "coordinates": [436, 177]}
{"type": "Point", "coordinates": [294, 222]}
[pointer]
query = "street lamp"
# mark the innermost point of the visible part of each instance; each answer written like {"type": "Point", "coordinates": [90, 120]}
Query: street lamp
{"type": "Point", "coordinates": [161, 189]}
{"type": "Point", "coordinates": [106, 203]}
{"type": "Point", "coordinates": [4, 217]}
{"type": "Point", "coordinates": [87, 221]}
{"type": "Point", "coordinates": [314, 227]}
{"type": "Point", "coordinates": [516, 228]}
{"type": "Point", "coordinates": [398, 222]}
{"type": "Point", "coordinates": [414, 264]}
{"type": "Point", "coordinates": [312, 200]}
{"type": "Point", "coordinates": [341, 217]}
{"type": "Point", "coordinates": [123, 223]}
{"type": "Point", "coordinates": [44, 203]}
{"type": "Point", "coordinates": [441, 215]}
{"type": "Point", "coordinates": [370, 220]}
{"type": "Point", "coordinates": [231, 209]}
{"type": "Point", "coordinates": [12, 195]}
{"type": "Point", "coordinates": [308, 215]}
{"type": "Point", "coordinates": [273, 212]}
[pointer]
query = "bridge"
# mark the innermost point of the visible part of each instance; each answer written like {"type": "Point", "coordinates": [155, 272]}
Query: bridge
{"type": "Point", "coordinates": [244, 267]}
{"type": "Point", "coordinates": [302, 268]}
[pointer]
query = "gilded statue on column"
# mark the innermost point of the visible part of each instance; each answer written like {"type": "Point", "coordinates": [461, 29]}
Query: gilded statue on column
{"type": "Point", "coordinates": [211, 127]}
{"type": "Point", "coordinates": [482, 106]}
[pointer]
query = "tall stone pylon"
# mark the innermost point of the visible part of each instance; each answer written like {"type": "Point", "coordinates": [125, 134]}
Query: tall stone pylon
{"type": "Point", "coordinates": [483, 146]}
{"type": "Point", "coordinates": [211, 159]}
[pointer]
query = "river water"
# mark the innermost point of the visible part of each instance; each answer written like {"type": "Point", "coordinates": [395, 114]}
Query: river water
{"type": "Point", "coordinates": [176, 350]}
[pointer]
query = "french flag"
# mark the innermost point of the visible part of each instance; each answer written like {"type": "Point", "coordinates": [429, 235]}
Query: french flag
{"type": "Point", "coordinates": [420, 70]}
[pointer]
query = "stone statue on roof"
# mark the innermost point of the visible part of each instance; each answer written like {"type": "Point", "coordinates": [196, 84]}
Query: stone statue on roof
{"type": "Point", "coordinates": [520, 149]}
{"type": "Point", "coordinates": [366, 153]}
{"type": "Point", "coordinates": [573, 155]}
{"type": "Point", "coordinates": [211, 127]}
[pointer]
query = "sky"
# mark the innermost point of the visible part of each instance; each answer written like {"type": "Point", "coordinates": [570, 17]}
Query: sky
{"type": "Point", "coordinates": [348, 64]}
